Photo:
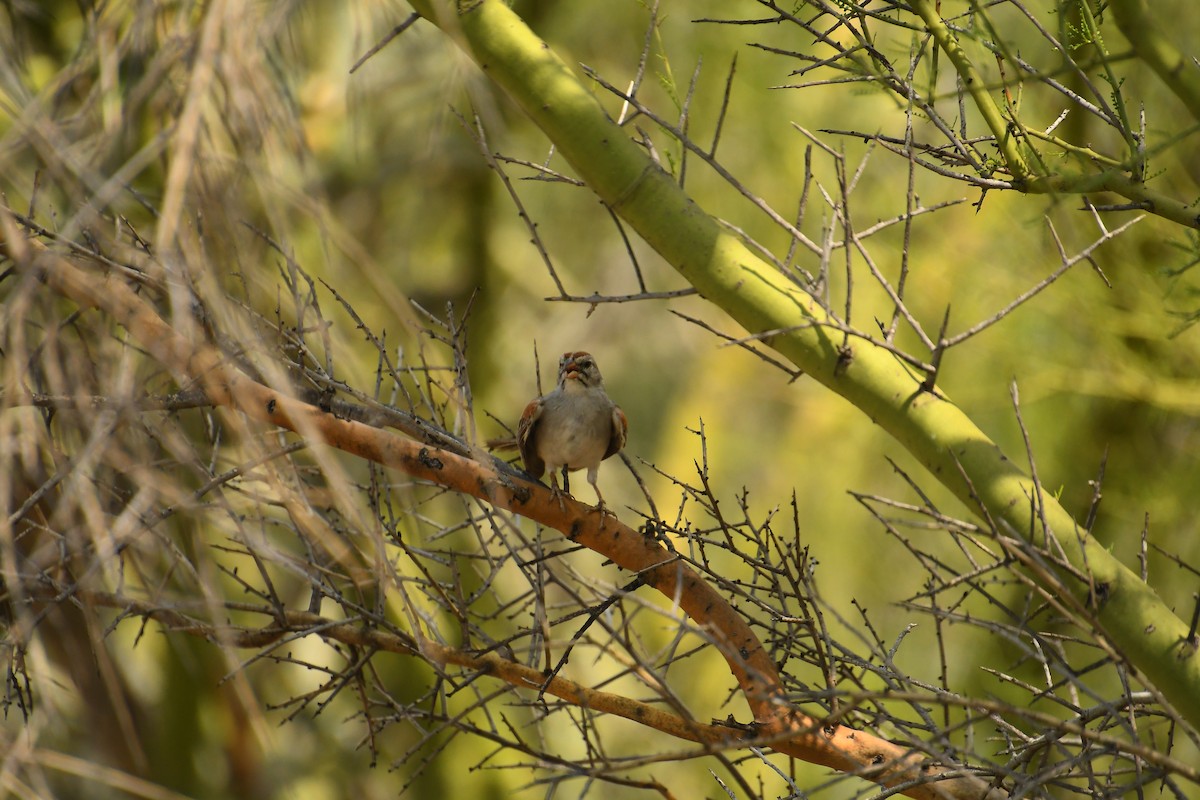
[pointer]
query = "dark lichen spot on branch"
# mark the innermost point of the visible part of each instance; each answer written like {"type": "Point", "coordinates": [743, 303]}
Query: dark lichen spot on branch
{"type": "Point", "coordinates": [845, 355]}
{"type": "Point", "coordinates": [428, 461]}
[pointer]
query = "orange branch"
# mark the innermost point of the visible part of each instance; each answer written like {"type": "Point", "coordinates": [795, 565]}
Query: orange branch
{"type": "Point", "coordinates": [789, 730]}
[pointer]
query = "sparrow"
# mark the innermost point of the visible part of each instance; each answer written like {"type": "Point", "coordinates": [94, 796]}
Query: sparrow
{"type": "Point", "coordinates": [576, 426]}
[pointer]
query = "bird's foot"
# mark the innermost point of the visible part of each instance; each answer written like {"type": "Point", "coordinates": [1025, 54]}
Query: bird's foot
{"type": "Point", "coordinates": [560, 496]}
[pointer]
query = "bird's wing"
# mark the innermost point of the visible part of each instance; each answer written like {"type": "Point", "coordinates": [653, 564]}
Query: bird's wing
{"type": "Point", "coordinates": [620, 426]}
{"type": "Point", "coordinates": [527, 438]}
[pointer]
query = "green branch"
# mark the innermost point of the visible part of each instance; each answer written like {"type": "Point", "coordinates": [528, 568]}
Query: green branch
{"type": "Point", "coordinates": [1039, 179]}
{"type": "Point", "coordinates": [1178, 73]}
{"type": "Point", "coordinates": [760, 298]}
{"type": "Point", "coordinates": [1136, 192]}
{"type": "Point", "coordinates": [977, 87]}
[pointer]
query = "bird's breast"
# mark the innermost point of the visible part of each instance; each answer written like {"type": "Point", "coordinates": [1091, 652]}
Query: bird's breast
{"type": "Point", "coordinates": [576, 437]}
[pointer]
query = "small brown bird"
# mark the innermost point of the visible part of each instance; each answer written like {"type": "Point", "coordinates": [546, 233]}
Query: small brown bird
{"type": "Point", "coordinates": [576, 426]}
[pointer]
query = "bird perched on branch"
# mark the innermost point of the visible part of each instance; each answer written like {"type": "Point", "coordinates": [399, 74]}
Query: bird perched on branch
{"type": "Point", "coordinates": [576, 426]}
